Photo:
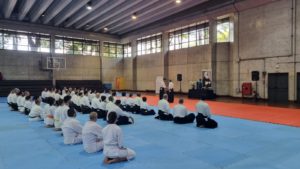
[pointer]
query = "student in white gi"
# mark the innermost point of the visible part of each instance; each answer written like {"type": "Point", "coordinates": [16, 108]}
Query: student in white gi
{"type": "Point", "coordinates": [137, 104]}
{"type": "Point", "coordinates": [92, 135]}
{"type": "Point", "coordinates": [49, 110]}
{"type": "Point", "coordinates": [57, 113]}
{"type": "Point", "coordinates": [145, 110]}
{"type": "Point", "coordinates": [204, 115]}
{"type": "Point", "coordinates": [27, 105]}
{"type": "Point", "coordinates": [114, 150]}
{"type": "Point", "coordinates": [36, 111]}
{"type": "Point", "coordinates": [85, 103]}
{"type": "Point", "coordinates": [164, 109]}
{"type": "Point", "coordinates": [96, 103]}
{"type": "Point", "coordinates": [72, 129]}
{"type": "Point", "coordinates": [181, 115]}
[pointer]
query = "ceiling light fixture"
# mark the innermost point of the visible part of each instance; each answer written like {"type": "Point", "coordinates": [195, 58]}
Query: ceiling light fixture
{"type": "Point", "coordinates": [89, 5]}
{"type": "Point", "coordinates": [178, 1]}
{"type": "Point", "coordinates": [105, 29]}
{"type": "Point", "coordinates": [134, 16]}
{"type": "Point", "coordinates": [43, 14]}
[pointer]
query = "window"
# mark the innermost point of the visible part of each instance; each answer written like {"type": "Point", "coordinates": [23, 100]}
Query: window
{"type": "Point", "coordinates": [24, 41]}
{"type": "Point", "coordinates": [112, 49]}
{"type": "Point", "coordinates": [65, 45]}
{"type": "Point", "coordinates": [189, 36]}
{"type": "Point", "coordinates": [149, 44]}
{"type": "Point", "coordinates": [224, 30]}
{"type": "Point", "coordinates": [118, 50]}
{"type": "Point", "coordinates": [127, 50]}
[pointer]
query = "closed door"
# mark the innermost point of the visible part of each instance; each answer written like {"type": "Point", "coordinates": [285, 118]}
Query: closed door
{"type": "Point", "coordinates": [278, 87]}
{"type": "Point", "coordinates": [298, 87]}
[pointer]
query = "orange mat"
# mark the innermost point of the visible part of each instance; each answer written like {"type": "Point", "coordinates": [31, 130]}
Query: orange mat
{"type": "Point", "coordinates": [284, 116]}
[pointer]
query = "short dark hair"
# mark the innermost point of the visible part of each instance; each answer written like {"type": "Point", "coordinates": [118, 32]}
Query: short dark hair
{"type": "Point", "coordinates": [112, 117]}
{"type": "Point", "coordinates": [139, 94]}
{"type": "Point", "coordinates": [123, 93]}
{"type": "Point", "coordinates": [27, 97]}
{"type": "Point", "coordinates": [67, 98]}
{"type": "Point", "coordinates": [144, 99]}
{"type": "Point", "coordinates": [103, 98]}
{"type": "Point", "coordinates": [71, 112]}
{"type": "Point", "coordinates": [111, 98]}
{"type": "Point", "coordinates": [85, 92]}
{"type": "Point", "coordinates": [118, 102]}
{"type": "Point", "coordinates": [130, 94]}
{"type": "Point", "coordinates": [181, 101]}
{"type": "Point", "coordinates": [114, 94]}
{"type": "Point", "coordinates": [51, 101]}
{"type": "Point", "coordinates": [59, 102]}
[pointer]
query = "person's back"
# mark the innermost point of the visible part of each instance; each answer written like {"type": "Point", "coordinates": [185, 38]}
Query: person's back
{"type": "Point", "coordinates": [163, 105]}
{"type": "Point", "coordinates": [179, 110]}
{"type": "Point", "coordinates": [203, 108]}
{"type": "Point", "coordinates": [114, 150]}
{"type": "Point", "coordinates": [95, 103]}
{"type": "Point", "coordinates": [92, 136]}
{"type": "Point", "coordinates": [72, 129]}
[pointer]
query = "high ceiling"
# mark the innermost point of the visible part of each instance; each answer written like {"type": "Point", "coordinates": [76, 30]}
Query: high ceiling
{"type": "Point", "coordinates": [107, 16]}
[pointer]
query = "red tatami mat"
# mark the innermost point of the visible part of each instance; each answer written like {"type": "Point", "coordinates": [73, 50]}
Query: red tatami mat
{"type": "Point", "coordinates": [284, 116]}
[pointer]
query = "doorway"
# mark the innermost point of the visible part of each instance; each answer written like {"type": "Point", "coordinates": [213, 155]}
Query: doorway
{"type": "Point", "coordinates": [278, 87]}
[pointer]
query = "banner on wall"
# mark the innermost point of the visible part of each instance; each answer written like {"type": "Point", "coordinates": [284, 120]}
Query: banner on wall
{"type": "Point", "coordinates": [159, 79]}
{"type": "Point", "coordinates": [120, 83]}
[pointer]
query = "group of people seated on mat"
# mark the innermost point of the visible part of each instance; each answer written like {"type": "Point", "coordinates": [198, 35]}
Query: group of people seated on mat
{"type": "Point", "coordinates": [59, 114]}
{"type": "Point", "coordinates": [58, 108]}
{"type": "Point", "coordinates": [182, 116]}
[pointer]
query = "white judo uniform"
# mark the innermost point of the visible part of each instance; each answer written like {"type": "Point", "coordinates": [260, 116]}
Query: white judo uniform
{"type": "Point", "coordinates": [203, 108]}
{"type": "Point", "coordinates": [49, 114]}
{"type": "Point", "coordinates": [72, 131]}
{"type": "Point", "coordinates": [35, 113]}
{"type": "Point", "coordinates": [113, 143]}
{"type": "Point", "coordinates": [92, 137]}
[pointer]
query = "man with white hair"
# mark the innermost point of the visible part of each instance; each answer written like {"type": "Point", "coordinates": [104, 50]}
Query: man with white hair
{"type": "Point", "coordinates": [92, 135]}
{"type": "Point", "coordinates": [164, 109]}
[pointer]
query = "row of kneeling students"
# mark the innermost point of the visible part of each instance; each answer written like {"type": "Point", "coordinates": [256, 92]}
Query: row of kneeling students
{"type": "Point", "coordinates": [94, 138]}
{"type": "Point", "coordinates": [182, 116]}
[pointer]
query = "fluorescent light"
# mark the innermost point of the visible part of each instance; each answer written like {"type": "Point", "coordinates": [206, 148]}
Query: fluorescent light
{"type": "Point", "coordinates": [89, 5]}
{"type": "Point", "coordinates": [134, 16]}
{"type": "Point", "coordinates": [178, 1]}
{"type": "Point", "coordinates": [105, 29]}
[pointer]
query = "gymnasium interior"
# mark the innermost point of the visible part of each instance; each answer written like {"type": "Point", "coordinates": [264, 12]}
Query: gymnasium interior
{"type": "Point", "coordinates": [243, 56]}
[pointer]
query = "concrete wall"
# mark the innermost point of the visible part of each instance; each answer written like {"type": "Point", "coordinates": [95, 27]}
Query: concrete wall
{"type": "Point", "coordinates": [189, 62]}
{"type": "Point", "coordinates": [148, 67]}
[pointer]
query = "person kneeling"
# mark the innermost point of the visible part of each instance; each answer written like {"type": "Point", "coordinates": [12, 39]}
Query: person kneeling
{"type": "Point", "coordinates": [113, 142]}
{"type": "Point", "coordinates": [92, 135]}
{"type": "Point", "coordinates": [163, 109]}
{"type": "Point", "coordinates": [36, 111]}
{"type": "Point", "coordinates": [181, 115]}
{"type": "Point", "coordinates": [145, 108]}
{"type": "Point", "coordinates": [204, 116]}
{"type": "Point", "coordinates": [72, 129]}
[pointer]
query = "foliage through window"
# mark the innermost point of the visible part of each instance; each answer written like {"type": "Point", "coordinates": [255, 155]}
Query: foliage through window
{"type": "Point", "coordinates": [24, 41]}
{"type": "Point", "coordinates": [224, 30]}
{"type": "Point", "coordinates": [149, 44]}
{"type": "Point", "coordinates": [189, 36]}
{"type": "Point", "coordinates": [65, 45]}
{"type": "Point", "coordinates": [118, 50]}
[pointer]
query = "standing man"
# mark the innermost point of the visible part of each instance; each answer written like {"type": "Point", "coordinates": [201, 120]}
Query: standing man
{"type": "Point", "coordinates": [162, 89]}
{"type": "Point", "coordinates": [171, 92]}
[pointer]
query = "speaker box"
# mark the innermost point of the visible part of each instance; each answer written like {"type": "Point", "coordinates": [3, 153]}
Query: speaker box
{"type": "Point", "coordinates": [179, 77]}
{"type": "Point", "coordinates": [255, 75]}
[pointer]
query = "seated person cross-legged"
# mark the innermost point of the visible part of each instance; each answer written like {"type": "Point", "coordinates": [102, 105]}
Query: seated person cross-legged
{"type": "Point", "coordinates": [145, 110]}
{"type": "Point", "coordinates": [164, 109]}
{"type": "Point", "coordinates": [204, 116]}
{"type": "Point", "coordinates": [181, 115]}
{"type": "Point", "coordinates": [114, 151]}
{"type": "Point", "coordinates": [72, 129]}
{"type": "Point", "coordinates": [92, 135]}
